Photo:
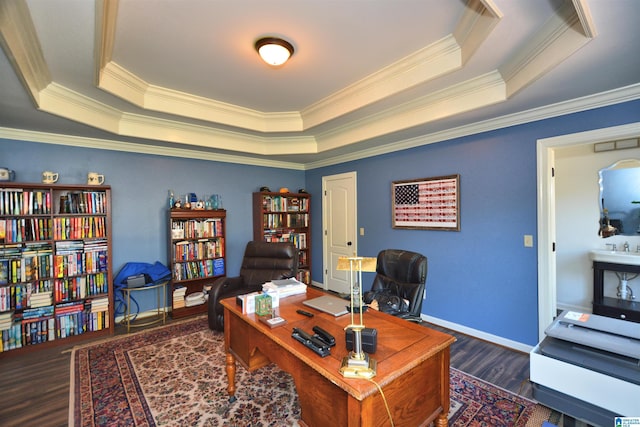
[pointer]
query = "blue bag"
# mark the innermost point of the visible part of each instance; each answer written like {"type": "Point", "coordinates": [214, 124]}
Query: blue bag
{"type": "Point", "coordinates": [156, 273]}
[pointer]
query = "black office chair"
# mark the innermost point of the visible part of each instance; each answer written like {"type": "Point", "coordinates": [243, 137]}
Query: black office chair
{"type": "Point", "coordinates": [399, 283]}
{"type": "Point", "coordinates": [262, 262]}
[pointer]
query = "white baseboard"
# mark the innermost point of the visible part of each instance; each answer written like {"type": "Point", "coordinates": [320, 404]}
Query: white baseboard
{"type": "Point", "coordinates": [479, 334]}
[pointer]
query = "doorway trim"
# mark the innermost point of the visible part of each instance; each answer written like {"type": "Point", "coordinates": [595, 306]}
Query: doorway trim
{"type": "Point", "coordinates": [352, 176]}
{"type": "Point", "coordinates": [545, 152]}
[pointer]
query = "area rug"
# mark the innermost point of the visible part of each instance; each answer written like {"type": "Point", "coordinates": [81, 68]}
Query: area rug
{"type": "Point", "coordinates": [175, 376]}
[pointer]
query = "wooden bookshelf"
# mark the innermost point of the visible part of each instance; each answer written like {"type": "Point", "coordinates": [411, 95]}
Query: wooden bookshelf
{"type": "Point", "coordinates": [284, 217]}
{"type": "Point", "coordinates": [196, 255]}
{"type": "Point", "coordinates": [56, 283]}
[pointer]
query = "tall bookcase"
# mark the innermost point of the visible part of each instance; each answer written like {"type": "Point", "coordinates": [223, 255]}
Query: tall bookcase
{"type": "Point", "coordinates": [284, 217]}
{"type": "Point", "coordinates": [56, 282]}
{"type": "Point", "coordinates": [196, 256]}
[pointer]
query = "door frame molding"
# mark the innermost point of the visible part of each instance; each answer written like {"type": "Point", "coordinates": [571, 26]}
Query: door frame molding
{"type": "Point", "coordinates": [325, 216]}
{"type": "Point", "coordinates": [545, 151]}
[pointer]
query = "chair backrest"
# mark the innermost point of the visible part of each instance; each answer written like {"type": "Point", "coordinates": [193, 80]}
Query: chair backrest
{"type": "Point", "coordinates": [402, 273]}
{"type": "Point", "coordinates": [264, 261]}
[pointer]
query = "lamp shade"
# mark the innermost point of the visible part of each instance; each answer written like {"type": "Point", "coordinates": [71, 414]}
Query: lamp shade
{"type": "Point", "coordinates": [274, 51]}
{"type": "Point", "coordinates": [357, 264]}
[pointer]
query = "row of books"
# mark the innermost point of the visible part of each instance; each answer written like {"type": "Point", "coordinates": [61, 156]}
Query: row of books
{"type": "Point", "coordinates": [30, 267]}
{"type": "Point", "coordinates": [46, 292]}
{"type": "Point", "coordinates": [20, 296]}
{"type": "Point", "coordinates": [195, 250]}
{"type": "Point", "coordinates": [69, 289]}
{"type": "Point", "coordinates": [79, 227]}
{"type": "Point", "coordinates": [24, 202]}
{"type": "Point", "coordinates": [285, 204]}
{"type": "Point", "coordinates": [197, 229]}
{"type": "Point", "coordinates": [15, 230]}
{"type": "Point", "coordinates": [298, 239]}
{"type": "Point", "coordinates": [75, 257]}
{"type": "Point", "coordinates": [198, 269]}
{"type": "Point", "coordinates": [279, 220]}
{"type": "Point", "coordinates": [92, 202]}
{"type": "Point", "coordinates": [17, 334]}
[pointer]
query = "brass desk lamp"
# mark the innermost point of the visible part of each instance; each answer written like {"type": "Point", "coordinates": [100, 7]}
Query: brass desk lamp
{"type": "Point", "coordinates": [357, 364]}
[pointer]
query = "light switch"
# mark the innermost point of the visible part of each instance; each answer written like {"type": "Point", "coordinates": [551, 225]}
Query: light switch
{"type": "Point", "coordinates": [362, 231]}
{"type": "Point", "coordinates": [528, 241]}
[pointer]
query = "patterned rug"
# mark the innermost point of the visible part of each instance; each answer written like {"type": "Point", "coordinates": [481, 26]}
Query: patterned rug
{"type": "Point", "coordinates": [175, 376]}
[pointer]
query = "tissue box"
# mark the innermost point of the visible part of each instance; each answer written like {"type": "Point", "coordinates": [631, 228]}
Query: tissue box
{"type": "Point", "coordinates": [248, 301]}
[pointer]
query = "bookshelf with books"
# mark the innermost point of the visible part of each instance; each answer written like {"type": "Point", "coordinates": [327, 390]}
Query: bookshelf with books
{"type": "Point", "coordinates": [55, 265]}
{"type": "Point", "coordinates": [284, 217]}
{"type": "Point", "coordinates": [196, 257]}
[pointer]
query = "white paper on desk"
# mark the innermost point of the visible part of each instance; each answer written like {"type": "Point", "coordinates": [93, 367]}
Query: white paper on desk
{"type": "Point", "coordinates": [283, 283]}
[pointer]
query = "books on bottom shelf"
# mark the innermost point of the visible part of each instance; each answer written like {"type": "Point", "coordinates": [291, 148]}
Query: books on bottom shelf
{"type": "Point", "coordinates": [178, 297]}
{"type": "Point", "coordinates": [196, 298]}
{"type": "Point", "coordinates": [285, 287]}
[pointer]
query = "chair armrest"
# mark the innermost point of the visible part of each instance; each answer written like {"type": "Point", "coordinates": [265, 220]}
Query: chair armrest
{"type": "Point", "coordinates": [225, 286]}
{"type": "Point", "coordinates": [220, 289]}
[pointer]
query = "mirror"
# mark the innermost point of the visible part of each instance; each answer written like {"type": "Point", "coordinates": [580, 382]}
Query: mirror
{"type": "Point", "coordinates": [620, 199]}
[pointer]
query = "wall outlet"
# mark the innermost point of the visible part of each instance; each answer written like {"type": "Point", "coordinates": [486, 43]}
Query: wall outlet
{"type": "Point", "coordinates": [528, 241]}
{"type": "Point", "coordinates": [362, 231]}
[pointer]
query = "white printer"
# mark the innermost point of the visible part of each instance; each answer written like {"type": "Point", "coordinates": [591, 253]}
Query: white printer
{"type": "Point", "coordinates": [588, 367]}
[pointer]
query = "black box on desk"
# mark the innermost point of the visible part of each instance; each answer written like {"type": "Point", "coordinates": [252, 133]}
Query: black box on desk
{"type": "Point", "coordinates": [369, 339]}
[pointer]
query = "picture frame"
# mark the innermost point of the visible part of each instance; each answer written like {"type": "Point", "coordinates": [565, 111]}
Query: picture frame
{"type": "Point", "coordinates": [426, 203]}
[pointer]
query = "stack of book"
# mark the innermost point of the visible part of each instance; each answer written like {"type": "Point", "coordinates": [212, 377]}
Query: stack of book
{"type": "Point", "coordinates": [6, 320]}
{"type": "Point", "coordinates": [41, 299]}
{"type": "Point", "coordinates": [285, 287]}
{"type": "Point", "coordinates": [99, 304]}
{"type": "Point", "coordinates": [178, 297]}
{"type": "Point", "coordinates": [195, 298]}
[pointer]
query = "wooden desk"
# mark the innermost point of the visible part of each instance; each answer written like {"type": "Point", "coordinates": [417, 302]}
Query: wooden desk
{"type": "Point", "coordinates": [413, 366]}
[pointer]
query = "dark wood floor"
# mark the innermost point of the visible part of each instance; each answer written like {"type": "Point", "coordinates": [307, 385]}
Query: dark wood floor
{"type": "Point", "coordinates": [35, 387]}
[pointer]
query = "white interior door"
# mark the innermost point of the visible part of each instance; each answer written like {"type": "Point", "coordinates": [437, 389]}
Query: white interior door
{"type": "Point", "coordinates": [339, 224]}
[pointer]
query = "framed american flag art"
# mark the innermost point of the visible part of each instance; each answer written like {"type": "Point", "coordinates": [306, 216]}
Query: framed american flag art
{"type": "Point", "coordinates": [427, 203]}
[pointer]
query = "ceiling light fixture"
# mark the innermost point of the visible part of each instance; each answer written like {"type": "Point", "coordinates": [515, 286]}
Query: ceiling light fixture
{"type": "Point", "coordinates": [274, 51]}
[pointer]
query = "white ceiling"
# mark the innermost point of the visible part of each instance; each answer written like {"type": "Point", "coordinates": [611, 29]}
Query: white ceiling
{"type": "Point", "coordinates": [181, 77]}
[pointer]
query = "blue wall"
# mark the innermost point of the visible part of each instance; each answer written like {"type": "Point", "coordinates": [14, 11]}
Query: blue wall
{"type": "Point", "coordinates": [140, 184]}
{"type": "Point", "coordinates": [481, 277]}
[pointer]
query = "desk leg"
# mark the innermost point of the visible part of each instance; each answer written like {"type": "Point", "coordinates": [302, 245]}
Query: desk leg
{"type": "Point", "coordinates": [231, 377]}
{"type": "Point", "coordinates": [442, 421]}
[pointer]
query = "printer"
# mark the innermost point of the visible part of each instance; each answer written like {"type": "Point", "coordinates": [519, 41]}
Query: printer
{"type": "Point", "coordinates": [588, 367]}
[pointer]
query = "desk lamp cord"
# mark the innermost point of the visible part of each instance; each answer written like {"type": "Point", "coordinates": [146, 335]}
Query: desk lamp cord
{"type": "Point", "coordinates": [384, 399]}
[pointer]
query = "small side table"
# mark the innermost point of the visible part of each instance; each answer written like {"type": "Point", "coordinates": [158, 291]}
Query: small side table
{"type": "Point", "coordinates": [161, 300]}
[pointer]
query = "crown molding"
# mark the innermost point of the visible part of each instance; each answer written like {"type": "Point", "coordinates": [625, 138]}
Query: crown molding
{"type": "Point", "coordinates": [555, 42]}
{"type": "Point", "coordinates": [586, 20]}
{"type": "Point", "coordinates": [469, 95]}
{"type": "Point", "coordinates": [616, 96]}
{"type": "Point", "coordinates": [440, 58]}
{"type": "Point", "coordinates": [18, 36]}
{"type": "Point", "coordinates": [475, 25]}
{"type": "Point", "coordinates": [115, 145]}
{"type": "Point", "coordinates": [120, 82]}
{"type": "Point", "coordinates": [620, 95]}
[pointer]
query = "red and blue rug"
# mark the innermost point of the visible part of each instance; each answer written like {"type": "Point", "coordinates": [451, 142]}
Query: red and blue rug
{"type": "Point", "coordinates": [175, 376]}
